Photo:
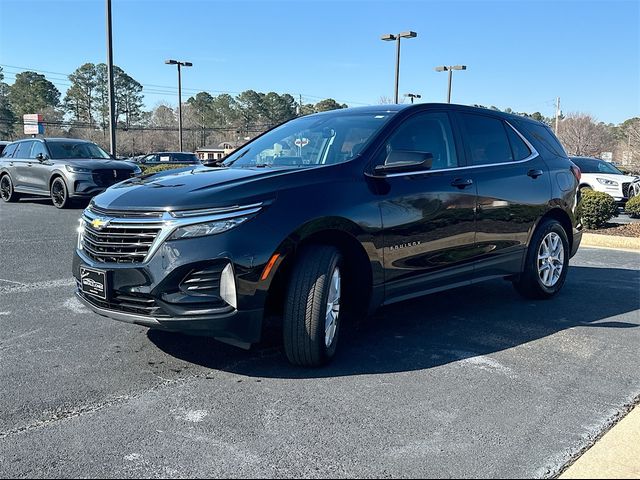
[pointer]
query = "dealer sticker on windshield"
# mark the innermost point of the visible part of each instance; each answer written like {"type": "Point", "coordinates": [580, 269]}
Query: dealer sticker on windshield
{"type": "Point", "coordinates": [94, 282]}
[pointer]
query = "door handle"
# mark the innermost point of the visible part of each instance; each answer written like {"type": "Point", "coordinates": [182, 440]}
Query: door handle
{"type": "Point", "coordinates": [534, 173]}
{"type": "Point", "coordinates": [462, 183]}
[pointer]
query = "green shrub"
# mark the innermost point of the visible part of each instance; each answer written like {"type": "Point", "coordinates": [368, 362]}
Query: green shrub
{"type": "Point", "coordinates": [160, 168]}
{"type": "Point", "coordinates": [596, 209]}
{"type": "Point", "coordinates": [633, 207]}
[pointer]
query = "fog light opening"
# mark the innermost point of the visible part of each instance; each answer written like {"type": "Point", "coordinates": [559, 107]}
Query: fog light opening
{"type": "Point", "coordinates": [228, 286]}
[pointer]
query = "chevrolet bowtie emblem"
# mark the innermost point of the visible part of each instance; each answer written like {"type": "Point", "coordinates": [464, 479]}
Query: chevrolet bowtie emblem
{"type": "Point", "coordinates": [99, 223]}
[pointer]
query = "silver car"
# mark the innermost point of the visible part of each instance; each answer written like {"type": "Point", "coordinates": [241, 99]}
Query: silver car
{"type": "Point", "coordinates": [64, 169]}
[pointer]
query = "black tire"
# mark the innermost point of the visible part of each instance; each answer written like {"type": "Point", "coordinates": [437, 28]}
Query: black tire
{"type": "Point", "coordinates": [305, 308]}
{"type": "Point", "coordinates": [530, 284]}
{"type": "Point", "coordinates": [59, 193]}
{"type": "Point", "coordinates": [7, 193]}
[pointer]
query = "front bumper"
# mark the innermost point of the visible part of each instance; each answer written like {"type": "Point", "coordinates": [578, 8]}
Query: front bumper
{"type": "Point", "coordinates": [234, 327]}
{"type": "Point", "coordinates": [152, 293]}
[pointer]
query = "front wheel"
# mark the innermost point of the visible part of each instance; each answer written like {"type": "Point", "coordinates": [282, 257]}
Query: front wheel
{"type": "Point", "coordinates": [59, 193]}
{"type": "Point", "coordinates": [311, 322]}
{"type": "Point", "coordinates": [7, 193]}
{"type": "Point", "coordinates": [546, 263]}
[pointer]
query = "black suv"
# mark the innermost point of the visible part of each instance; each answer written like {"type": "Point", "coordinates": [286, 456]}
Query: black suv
{"type": "Point", "coordinates": [168, 158]}
{"type": "Point", "coordinates": [329, 216]}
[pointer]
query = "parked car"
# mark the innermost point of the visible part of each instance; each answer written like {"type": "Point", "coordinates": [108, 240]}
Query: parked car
{"type": "Point", "coordinates": [634, 188]}
{"type": "Point", "coordinates": [604, 177]}
{"type": "Point", "coordinates": [167, 158]}
{"type": "Point", "coordinates": [2, 145]}
{"type": "Point", "coordinates": [376, 205]}
{"type": "Point", "coordinates": [64, 169]}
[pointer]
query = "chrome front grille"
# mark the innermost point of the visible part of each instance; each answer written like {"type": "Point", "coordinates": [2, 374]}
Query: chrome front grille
{"type": "Point", "coordinates": [118, 243]}
{"type": "Point", "coordinates": [107, 237]}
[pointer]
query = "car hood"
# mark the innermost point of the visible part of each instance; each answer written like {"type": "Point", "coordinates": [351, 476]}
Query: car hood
{"type": "Point", "coordinates": [611, 176]}
{"type": "Point", "coordinates": [195, 187]}
{"type": "Point", "coordinates": [95, 163]}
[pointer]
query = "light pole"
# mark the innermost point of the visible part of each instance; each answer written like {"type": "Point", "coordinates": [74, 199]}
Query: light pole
{"type": "Point", "coordinates": [179, 64]}
{"type": "Point", "coordinates": [412, 96]}
{"type": "Point", "coordinates": [390, 37]}
{"type": "Point", "coordinates": [450, 69]}
{"type": "Point", "coordinates": [112, 104]}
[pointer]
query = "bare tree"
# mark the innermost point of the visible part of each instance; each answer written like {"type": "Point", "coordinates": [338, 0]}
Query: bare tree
{"type": "Point", "coordinates": [581, 135]}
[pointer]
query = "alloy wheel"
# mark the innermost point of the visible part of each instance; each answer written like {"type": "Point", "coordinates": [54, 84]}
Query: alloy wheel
{"type": "Point", "coordinates": [58, 193]}
{"type": "Point", "coordinates": [333, 308]}
{"type": "Point", "coordinates": [5, 188]}
{"type": "Point", "coordinates": [550, 259]}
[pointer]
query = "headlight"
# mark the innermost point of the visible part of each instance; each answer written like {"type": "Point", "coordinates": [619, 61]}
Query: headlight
{"type": "Point", "coordinates": [208, 228]}
{"type": "Point", "coordinates": [604, 181]}
{"type": "Point", "coordinates": [73, 169]}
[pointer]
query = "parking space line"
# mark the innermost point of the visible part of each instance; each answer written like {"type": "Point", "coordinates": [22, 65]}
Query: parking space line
{"type": "Point", "coordinates": [12, 281]}
{"type": "Point", "coordinates": [29, 287]}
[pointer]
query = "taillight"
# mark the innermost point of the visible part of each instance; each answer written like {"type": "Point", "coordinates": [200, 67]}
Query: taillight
{"type": "Point", "coordinates": [576, 172]}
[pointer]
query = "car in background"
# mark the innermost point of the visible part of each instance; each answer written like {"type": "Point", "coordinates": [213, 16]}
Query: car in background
{"type": "Point", "coordinates": [167, 158]}
{"type": "Point", "coordinates": [604, 177]}
{"type": "Point", "coordinates": [634, 188]}
{"type": "Point", "coordinates": [2, 145]}
{"type": "Point", "coordinates": [64, 169]}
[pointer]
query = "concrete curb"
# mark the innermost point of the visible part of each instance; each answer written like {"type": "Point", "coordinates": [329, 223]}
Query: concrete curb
{"type": "Point", "coordinates": [610, 241]}
{"type": "Point", "coordinates": [615, 455]}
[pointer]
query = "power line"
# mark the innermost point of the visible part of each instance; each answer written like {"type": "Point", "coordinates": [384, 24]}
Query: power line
{"type": "Point", "coordinates": [171, 90]}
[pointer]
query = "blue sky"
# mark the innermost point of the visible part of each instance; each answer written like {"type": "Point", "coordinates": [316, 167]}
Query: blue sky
{"type": "Point", "coordinates": [520, 54]}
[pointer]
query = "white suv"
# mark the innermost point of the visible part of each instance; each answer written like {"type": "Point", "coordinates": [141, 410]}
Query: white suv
{"type": "Point", "coordinates": [603, 177]}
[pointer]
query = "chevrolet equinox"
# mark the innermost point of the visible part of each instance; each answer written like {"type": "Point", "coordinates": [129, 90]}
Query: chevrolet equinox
{"type": "Point", "coordinates": [328, 216]}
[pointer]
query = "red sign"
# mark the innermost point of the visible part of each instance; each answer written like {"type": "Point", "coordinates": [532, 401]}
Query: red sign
{"type": "Point", "coordinates": [301, 142]}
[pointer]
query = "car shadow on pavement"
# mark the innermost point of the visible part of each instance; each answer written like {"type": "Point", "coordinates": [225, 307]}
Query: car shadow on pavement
{"type": "Point", "coordinates": [436, 329]}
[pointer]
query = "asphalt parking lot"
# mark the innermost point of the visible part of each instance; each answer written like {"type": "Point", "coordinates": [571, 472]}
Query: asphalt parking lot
{"type": "Point", "coordinates": [474, 382]}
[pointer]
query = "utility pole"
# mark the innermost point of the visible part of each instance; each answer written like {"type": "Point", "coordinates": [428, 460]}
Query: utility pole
{"type": "Point", "coordinates": [300, 105]}
{"type": "Point", "coordinates": [112, 101]}
{"type": "Point", "coordinates": [557, 114]}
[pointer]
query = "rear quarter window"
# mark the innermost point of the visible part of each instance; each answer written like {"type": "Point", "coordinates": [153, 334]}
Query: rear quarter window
{"type": "Point", "coordinates": [545, 136]}
{"type": "Point", "coordinates": [9, 150]}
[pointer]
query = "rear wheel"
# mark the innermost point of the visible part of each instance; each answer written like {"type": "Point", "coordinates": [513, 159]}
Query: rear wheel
{"type": "Point", "coordinates": [546, 264]}
{"type": "Point", "coordinates": [311, 323]}
{"type": "Point", "coordinates": [7, 193]}
{"type": "Point", "coordinates": [59, 193]}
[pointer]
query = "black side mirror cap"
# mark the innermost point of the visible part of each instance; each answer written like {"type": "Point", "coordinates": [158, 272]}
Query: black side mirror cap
{"type": "Point", "coordinates": [41, 157]}
{"type": "Point", "coordinates": [400, 161]}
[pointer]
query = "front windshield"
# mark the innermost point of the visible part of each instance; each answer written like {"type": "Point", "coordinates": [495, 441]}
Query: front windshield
{"type": "Point", "coordinates": [310, 141]}
{"type": "Point", "coordinates": [76, 150]}
{"type": "Point", "coordinates": [596, 166]}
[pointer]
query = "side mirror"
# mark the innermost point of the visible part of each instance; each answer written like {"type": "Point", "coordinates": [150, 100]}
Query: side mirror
{"type": "Point", "coordinates": [399, 161]}
{"type": "Point", "coordinates": [41, 157]}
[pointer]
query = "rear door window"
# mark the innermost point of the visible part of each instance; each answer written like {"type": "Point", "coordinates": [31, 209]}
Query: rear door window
{"type": "Point", "coordinates": [24, 150]}
{"type": "Point", "coordinates": [486, 139]}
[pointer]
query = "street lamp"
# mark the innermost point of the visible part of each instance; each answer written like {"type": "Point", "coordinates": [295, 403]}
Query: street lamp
{"type": "Point", "coordinates": [412, 96]}
{"type": "Point", "coordinates": [450, 69]}
{"type": "Point", "coordinates": [390, 37]}
{"type": "Point", "coordinates": [179, 64]}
